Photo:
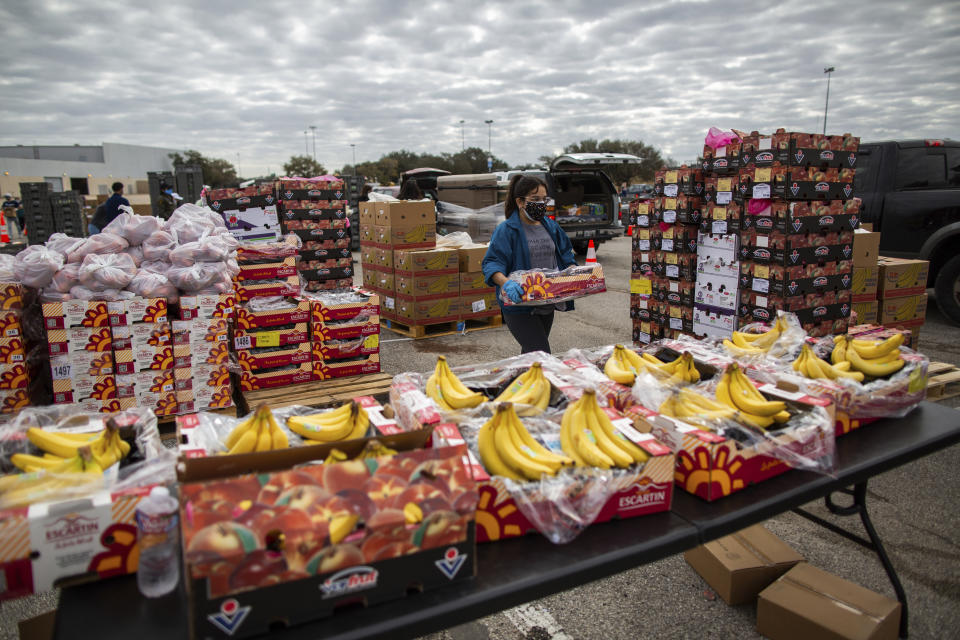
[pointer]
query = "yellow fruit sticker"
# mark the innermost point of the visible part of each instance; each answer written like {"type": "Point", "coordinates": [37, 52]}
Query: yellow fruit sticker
{"type": "Point", "coordinates": [670, 177]}
{"type": "Point", "coordinates": [719, 213]}
{"type": "Point", "coordinates": [371, 342]}
{"type": "Point", "coordinates": [724, 184]}
{"type": "Point", "coordinates": [642, 286]}
{"type": "Point", "coordinates": [644, 234]}
{"type": "Point", "coordinates": [670, 258]}
{"type": "Point", "coordinates": [761, 271]}
{"type": "Point", "coordinates": [675, 312]}
{"type": "Point", "coordinates": [762, 175]}
{"type": "Point", "coordinates": [643, 209]}
{"type": "Point", "coordinates": [268, 339]}
{"type": "Point", "coordinates": [669, 203]}
{"type": "Point", "coordinates": [668, 233]}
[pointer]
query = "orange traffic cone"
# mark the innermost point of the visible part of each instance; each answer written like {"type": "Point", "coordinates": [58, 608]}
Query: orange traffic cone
{"type": "Point", "coordinates": [630, 231]}
{"type": "Point", "coordinates": [591, 254]}
{"type": "Point", "coordinates": [4, 236]}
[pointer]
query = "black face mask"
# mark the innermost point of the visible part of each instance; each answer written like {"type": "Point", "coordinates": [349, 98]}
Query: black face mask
{"type": "Point", "coordinates": [536, 210]}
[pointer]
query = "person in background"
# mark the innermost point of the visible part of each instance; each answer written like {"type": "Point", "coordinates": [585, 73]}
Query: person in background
{"type": "Point", "coordinates": [167, 202]}
{"type": "Point", "coordinates": [527, 239]}
{"type": "Point", "coordinates": [365, 194]}
{"type": "Point", "coordinates": [410, 191]}
{"type": "Point", "coordinates": [109, 210]}
{"type": "Point", "coordinates": [12, 211]}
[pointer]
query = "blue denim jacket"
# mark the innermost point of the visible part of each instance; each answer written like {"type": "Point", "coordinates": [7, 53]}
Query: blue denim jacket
{"type": "Point", "coordinates": [508, 252]}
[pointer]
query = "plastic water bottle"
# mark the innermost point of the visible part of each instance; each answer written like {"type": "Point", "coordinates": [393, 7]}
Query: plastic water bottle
{"type": "Point", "coordinates": [158, 533]}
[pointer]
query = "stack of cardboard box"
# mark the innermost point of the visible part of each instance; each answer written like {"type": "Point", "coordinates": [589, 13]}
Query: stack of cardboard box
{"type": "Point", "coordinates": [866, 271]}
{"type": "Point", "coordinates": [143, 354]}
{"type": "Point", "coordinates": [477, 298]}
{"type": "Point", "coordinates": [315, 210]}
{"type": "Point", "coordinates": [201, 352]}
{"type": "Point", "coordinates": [386, 229]}
{"type": "Point", "coordinates": [14, 376]}
{"type": "Point", "coordinates": [344, 333]}
{"type": "Point", "coordinates": [250, 213]}
{"type": "Point", "coordinates": [644, 308]}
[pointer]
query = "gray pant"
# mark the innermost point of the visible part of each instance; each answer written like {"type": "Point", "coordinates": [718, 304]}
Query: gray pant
{"type": "Point", "coordinates": [531, 330]}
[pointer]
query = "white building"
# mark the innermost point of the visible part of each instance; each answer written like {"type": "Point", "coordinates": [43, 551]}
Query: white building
{"type": "Point", "coordinates": [89, 170]}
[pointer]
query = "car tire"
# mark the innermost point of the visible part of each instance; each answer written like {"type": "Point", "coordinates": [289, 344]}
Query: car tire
{"type": "Point", "coordinates": [947, 289]}
{"type": "Point", "coordinates": [580, 247]}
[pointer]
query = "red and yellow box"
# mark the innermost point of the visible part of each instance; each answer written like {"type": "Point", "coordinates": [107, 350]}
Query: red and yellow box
{"type": "Point", "coordinates": [12, 401]}
{"type": "Point", "coordinates": [79, 340]}
{"type": "Point", "coordinates": [134, 310]}
{"type": "Point", "coordinates": [207, 306]}
{"type": "Point", "coordinates": [155, 381]}
{"type": "Point", "coordinates": [251, 381]}
{"type": "Point", "coordinates": [273, 357]}
{"type": "Point", "coordinates": [326, 369]}
{"type": "Point", "coordinates": [269, 271]}
{"type": "Point", "coordinates": [289, 335]}
{"type": "Point", "coordinates": [289, 286]}
{"type": "Point", "coordinates": [70, 386]}
{"type": "Point", "coordinates": [342, 349]}
{"type": "Point", "coordinates": [150, 358]}
{"type": "Point", "coordinates": [75, 313]}
{"type": "Point", "coordinates": [187, 355]}
{"type": "Point", "coordinates": [297, 312]}
{"type": "Point", "coordinates": [345, 329]}
{"type": "Point", "coordinates": [202, 375]}
{"type": "Point", "coordinates": [11, 296]}
{"type": "Point", "coordinates": [12, 351]}
{"type": "Point", "coordinates": [10, 324]}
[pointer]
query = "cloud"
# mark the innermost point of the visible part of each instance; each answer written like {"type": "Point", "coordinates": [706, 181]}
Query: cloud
{"type": "Point", "coordinates": [249, 78]}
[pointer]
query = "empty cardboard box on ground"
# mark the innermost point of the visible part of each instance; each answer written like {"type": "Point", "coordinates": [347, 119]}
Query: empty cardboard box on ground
{"type": "Point", "coordinates": [740, 566]}
{"type": "Point", "coordinates": [807, 602]}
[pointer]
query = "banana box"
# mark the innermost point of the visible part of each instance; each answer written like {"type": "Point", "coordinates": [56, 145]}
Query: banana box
{"type": "Point", "coordinates": [430, 311]}
{"type": "Point", "coordinates": [368, 254]}
{"type": "Point", "coordinates": [903, 309]}
{"type": "Point", "coordinates": [899, 277]}
{"type": "Point", "coordinates": [280, 377]}
{"type": "Point", "coordinates": [383, 259]}
{"type": "Point", "coordinates": [273, 357]}
{"type": "Point", "coordinates": [408, 262]}
{"type": "Point", "coordinates": [636, 491]}
{"type": "Point", "coordinates": [12, 401]}
{"type": "Point", "coordinates": [10, 324]}
{"type": "Point", "coordinates": [344, 349]}
{"type": "Point", "coordinates": [422, 236]}
{"type": "Point", "coordinates": [326, 369]}
{"type": "Point", "coordinates": [280, 287]}
{"type": "Point", "coordinates": [269, 271]}
{"type": "Point", "coordinates": [864, 284]}
{"type": "Point", "coordinates": [367, 234]}
{"type": "Point", "coordinates": [427, 287]}
{"type": "Point", "coordinates": [713, 466]}
{"type": "Point", "coordinates": [474, 283]}
{"type": "Point", "coordinates": [483, 305]}
{"type": "Point", "coordinates": [298, 310]}
{"type": "Point", "coordinates": [379, 280]}
{"type": "Point", "coordinates": [75, 313]}
{"type": "Point", "coordinates": [12, 351]}
{"type": "Point", "coordinates": [867, 312]}
{"type": "Point", "coordinates": [207, 306]}
{"type": "Point", "coordinates": [404, 214]}
{"type": "Point", "coordinates": [470, 257]}
{"type": "Point", "coordinates": [137, 310]}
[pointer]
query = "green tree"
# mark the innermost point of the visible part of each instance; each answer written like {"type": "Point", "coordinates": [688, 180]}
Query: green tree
{"type": "Point", "coordinates": [390, 166]}
{"type": "Point", "coordinates": [304, 167]}
{"type": "Point", "coordinates": [643, 172]}
{"type": "Point", "coordinates": [217, 172]}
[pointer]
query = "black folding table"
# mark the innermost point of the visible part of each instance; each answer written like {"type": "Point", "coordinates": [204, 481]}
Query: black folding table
{"type": "Point", "coordinates": [511, 572]}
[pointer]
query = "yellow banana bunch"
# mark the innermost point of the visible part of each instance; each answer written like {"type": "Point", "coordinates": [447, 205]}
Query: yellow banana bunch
{"type": "Point", "coordinates": [64, 452]}
{"type": "Point", "coordinates": [623, 365]}
{"type": "Point", "coordinates": [810, 366]}
{"type": "Point", "coordinates": [874, 358]}
{"type": "Point", "coordinates": [741, 343]}
{"type": "Point", "coordinates": [259, 432]}
{"type": "Point", "coordinates": [696, 409]}
{"type": "Point", "coordinates": [376, 449]}
{"type": "Point", "coordinates": [588, 436]}
{"type": "Point", "coordinates": [680, 370]}
{"type": "Point", "coordinates": [346, 422]}
{"type": "Point", "coordinates": [736, 391]}
{"type": "Point", "coordinates": [448, 392]}
{"type": "Point", "coordinates": [531, 388]}
{"type": "Point", "coordinates": [507, 449]}
{"type": "Point", "coordinates": [24, 489]}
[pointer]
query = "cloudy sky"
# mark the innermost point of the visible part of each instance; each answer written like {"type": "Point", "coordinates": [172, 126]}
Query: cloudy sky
{"type": "Point", "coordinates": [228, 77]}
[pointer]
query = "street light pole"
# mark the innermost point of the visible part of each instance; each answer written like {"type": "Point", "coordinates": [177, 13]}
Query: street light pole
{"type": "Point", "coordinates": [353, 148]}
{"type": "Point", "coordinates": [463, 140]}
{"type": "Point", "coordinates": [313, 130]}
{"type": "Point", "coordinates": [489, 124]}
{"type": "Point", "coordinates": [238, 165]}
{"type": "Point", "coordinates": [826, 105]}
{"type": "Point", "coordinates": [306, 144]}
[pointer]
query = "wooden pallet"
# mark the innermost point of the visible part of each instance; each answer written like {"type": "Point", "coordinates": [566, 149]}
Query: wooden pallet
{"type": "Point", "coordinates": [320, 393]}
{"type": "Point", "coordinates": [943, 381]}
{"type": "Point", "coordinates": [448, 328]}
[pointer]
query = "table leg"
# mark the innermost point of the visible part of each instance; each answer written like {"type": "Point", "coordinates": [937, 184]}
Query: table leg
{"type": "Point", "coordinates": [858, 506]}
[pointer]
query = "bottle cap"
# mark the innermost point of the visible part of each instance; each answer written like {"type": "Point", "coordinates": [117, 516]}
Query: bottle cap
{"type": "Point", "coordinates": [160, 492]}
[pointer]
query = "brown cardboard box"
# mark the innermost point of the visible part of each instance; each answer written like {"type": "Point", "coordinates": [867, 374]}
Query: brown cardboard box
{"type": "Point", "coordinates": [866, 248]}
{"type": "Point", "coordinates": [479, 305]}
{"type": "Point", "coordinates": [419, 237]}
{"type": "Point", "coordinates": [428, 311]}
{"type": "Point", "coordinates": [367, 233]}
{"type": "Point", "coordinates": [427, 286]}
{"type": "Point", "coordinates": [867, 312]}
{"type": "Point", "coordinates": [368, 213]}
{"type": "Point", "coordinates": [864, 288]}
{"type": "Point", "coordinates": [368, 254]}
{"type": "Point", "coordinates": [425, 261]}
{"type": "Point", "coordinates": [740, 566]}
{"type": "Point", "coordinates": [383, 258]}
{"type": "Point", "coordinates": [370, 277]}
{"type": "Point", "coordinates": [471, 257]}
{"type": "Point", "coordinates": [906, 309]}
{"type": "Point", "coordinates": [809, 603]}
{"type": "Point", "coordinates": [405, 214]}
{"type": "Point", "coordinates": [474, 282]}
{"type": "Point", "coordinates": [899, 277]}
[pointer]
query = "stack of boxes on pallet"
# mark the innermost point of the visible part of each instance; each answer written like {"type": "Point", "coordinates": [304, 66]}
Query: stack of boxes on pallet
{"type": "Point", "coordinates": [201, 352]}
{"type": "Point", "coordinates": [797, 222]}
{"type": "Point", "coordinates": [478, 300]}
{"type": "Point", "coordinates": [14, 377]}
{"type": "Point", "coordinates": [38, 213]}
{"type": "Point", "coordinates": [345, 333]}
{"type": "Point", "coordinates": [387, 228]}
{"type": "Point", "coordinates": [142, 343]}
{"type": "Point", "coordinates": [315, 210]}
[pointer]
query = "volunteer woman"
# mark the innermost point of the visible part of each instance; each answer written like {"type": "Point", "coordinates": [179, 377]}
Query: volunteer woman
{"type": "Point", "coordinates": [527, 239]}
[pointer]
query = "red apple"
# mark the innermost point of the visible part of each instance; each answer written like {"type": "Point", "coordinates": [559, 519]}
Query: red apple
{"type": "Point", "coordinates": [334, 558]}
{"type": "Point", "coordinates": [351, 474]}
{"type": "Point", "coordinates": [280, 482]}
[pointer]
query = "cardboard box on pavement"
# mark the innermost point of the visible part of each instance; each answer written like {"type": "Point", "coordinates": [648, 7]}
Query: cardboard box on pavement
{"type": "Point", "coordinates": [740, 566]}
{"type": "Point", "coordinates": [807, 602]}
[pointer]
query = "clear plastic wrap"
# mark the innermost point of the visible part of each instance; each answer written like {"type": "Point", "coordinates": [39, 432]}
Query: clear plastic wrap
{"type": "Point", "coordinates": [550, 286]}
{"type": "Point", "coordinates": [7, 273]}
{"type": "Point", "coordinates": [136, 253]}
{"type": "Point", "coordinates": [62, 243]}
{"type": "Point", "coordinates": [109, 271]}
{"type": "Point", "coordinates": [454, 240]}
{"type": "Point", "coordinates": [159, 244]}
{"type": "Point", "coordinates": [66, 278]}
{"type": "Point", "coordinates": [102, 244]}
{"type": "Point", "coordinates": [148, 462]}
{"type": "Point", "coordinates": [478, 224]}
{"type": "Point", "coordinates": [207, 249]}
{"type": "Point", "coordinates": [288, 245]}
{"type": "Point", "coordinates": [791, 337]}
{"type": "Point", "coordinates": [192, 223]}
{"type": "Point", "coordinates": [36, 265]}
{"type": "Point", "coordinates": [155, 266]}
{"type": "Point", "coordinates": [196, 277]}
{"type": "Point", "coordinates": [134, 228]}
{"type": "Point", "coordinates": [153, 285]}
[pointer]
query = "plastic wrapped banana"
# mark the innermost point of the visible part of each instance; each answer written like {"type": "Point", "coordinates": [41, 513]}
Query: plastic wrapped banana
{"type": "Point", "coordinates": [589, 437]}
{"type": "Point", "coordinates": [531, 390]}
{"type": "Point", "coordinates": [507, 449]}
{"type": "Point", "coordinates": [73, 452]}
{"type": "Point", "coordinates": [736, 391]}
{"type": "Point", "coordinates": [624, 365]}
{"type": "Point", "coordinates": [741, 343]}
{"type": "Point", "coordinates": [872, 358]}
{"type": "Point", "coordinates": [448, 392]}
{"type": "Point", "coordinates": [809, 365]}
{"type": "Point", "coordinates": [346, 422]}
{"type": "Point", "coordinates": [258, 432]}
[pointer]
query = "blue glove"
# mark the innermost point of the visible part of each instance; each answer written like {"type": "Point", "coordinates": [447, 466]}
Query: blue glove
{"type": "Point", "coordinates": [514, 291]}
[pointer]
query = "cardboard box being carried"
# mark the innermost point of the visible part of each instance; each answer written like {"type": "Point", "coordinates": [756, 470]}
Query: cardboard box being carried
{"type": "Point", "coordinates": [809, 603]}
{"type": "Point", "coordinates": [740, 566]}
{"type": "Point", "coordinates": [900, 278]}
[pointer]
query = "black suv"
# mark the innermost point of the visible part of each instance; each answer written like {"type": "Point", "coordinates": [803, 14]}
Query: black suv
{"type": "Point", "coordinates": [911, 194]}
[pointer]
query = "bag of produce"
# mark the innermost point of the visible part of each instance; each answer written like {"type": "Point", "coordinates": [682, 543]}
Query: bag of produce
{"type": "Point", "coordinates": [102, 243]}
{"type": "Point", "coordinates": [159, 244]}
{"type": "Point", "coordinates": [36, 265]}
{"type": "Point", "coordinates": [109, 271]}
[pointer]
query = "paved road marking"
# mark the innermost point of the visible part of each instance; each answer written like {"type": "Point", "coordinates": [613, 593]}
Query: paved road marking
{"type": "Point", "coordinates": [396, 340]}
{"type": "Point", "coordinates": [527, 616]}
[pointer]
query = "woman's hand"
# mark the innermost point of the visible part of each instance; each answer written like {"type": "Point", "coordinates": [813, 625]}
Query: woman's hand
{"type": "Point", "coordinates": [514, 291]}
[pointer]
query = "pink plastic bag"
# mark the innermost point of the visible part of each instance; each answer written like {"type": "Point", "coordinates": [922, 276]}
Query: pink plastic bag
{"type": "Point", "coordinates": [62, 243]}
{"type": "Point", "coordinates": [717, 138]}
{"type": "Point", "coordinates": [757, 206]}
{"type": "Point", "coordinates": [110, 271]}
{"type": "Point", "coordinates": [102, 243]}
{"type": "Point", "coordinates": [207, 249]}
{"type": "Point", "coordinates": [155, 266]}
{"type": "Point", "coordinates": [196, 277]}
{"type": "Point", "coordinates": [135, 252]}
{"type": "Point", "coordinates": [153, 285]}
{"type": "Point", "coordinates": [36, 265]}
{"type": "Point", "coordinates": [159, 245]}
{"type": "Point", "coordinates": [135, 228]}
{"type": "Point", "coordinates": [66, 278]}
